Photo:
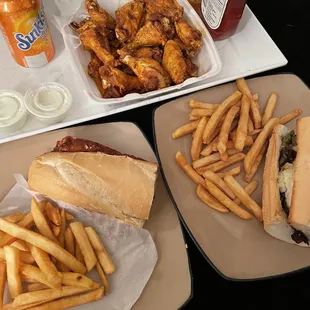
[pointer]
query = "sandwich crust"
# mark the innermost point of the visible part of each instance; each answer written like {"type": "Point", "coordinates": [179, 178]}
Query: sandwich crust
{"type": "Point", "coordinates": [274, 218]}
{"type": "Point", "coordinates": [118, 185]}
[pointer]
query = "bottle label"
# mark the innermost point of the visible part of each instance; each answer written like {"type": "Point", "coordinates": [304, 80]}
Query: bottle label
{"type": "Point", "coordinates": [213, 12]}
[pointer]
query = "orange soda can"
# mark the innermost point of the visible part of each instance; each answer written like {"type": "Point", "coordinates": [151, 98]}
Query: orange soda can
{"type": "Point", "coordinates": [25, 29]}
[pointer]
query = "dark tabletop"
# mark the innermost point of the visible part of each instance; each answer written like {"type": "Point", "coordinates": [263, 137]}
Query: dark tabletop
{"type": "Point", "coordinates": [288, 24]}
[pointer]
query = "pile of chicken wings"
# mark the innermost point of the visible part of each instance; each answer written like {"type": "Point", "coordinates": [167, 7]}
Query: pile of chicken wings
{"type": "Point", "coordinates": [147, 46]}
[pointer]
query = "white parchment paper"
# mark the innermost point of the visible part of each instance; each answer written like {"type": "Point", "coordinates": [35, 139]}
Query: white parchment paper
{"type": "Point", "coordinates": [132, 249]}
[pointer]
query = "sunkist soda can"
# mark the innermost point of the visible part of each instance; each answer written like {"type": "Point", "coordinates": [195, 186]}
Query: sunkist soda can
{"type": "Point", "coordinates": [25, 29]}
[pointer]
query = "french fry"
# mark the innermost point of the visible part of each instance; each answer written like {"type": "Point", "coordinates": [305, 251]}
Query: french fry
{"type": "Point", "coordinates": [185, 130]}
{"type": "Point", "coordinates": [209, 200]}
{"type": "Point", "coordinates": [234, 172]}
{"type": "Point", "coordinates": [193, 118]}
{"type": "Point", "coordinates": [288, 117]}
{"type": "Point", "coordinates": [223, 136]}
{"type": "Point", "coordinates": [46, 266]}
{"type": "Point", "coordinates": [103, 278]}
{"type": "Point", "coordinates": [243, 87]}
{"type": "Point", "coordinates": [28, 306]}
{"type": "Point", "coordinates": [15, 218]}
{"type": "Point", "coordinates": [69, 217]}
{"type": "Point", "coordinates": [195, 104]}
{"type": "Point", "coordinates": [270, 107]}
{"type": "Point", "coordinates": [43, 243]}
{"type": "Point", "coordinates": [197, 141]}
{"type": "Point", "coordinates": [250, 124]}
{"type": "Point", "coordinates": [249, 176]}
{"type": "Point", "coordinates": [259, 144]}
{"type": "Point", "coordinates": [41, 222]}
{"type": "Point", "coordinates": [48, 294]}
{"type": "Point", "coordinates": [25, 257]}
{"type": "Point", "coordinates": [242, 128]}
{"type": "Point", "coordinates": [226, 201]}
{"type": "Point", "coordinates": [12, 270]}
{"type": "Point", "coordinates": [250, 189]}
{"type": "Point", "coordinates": [209, 148]}
{"type": "Point", "coordinates": [219, 113]}
{"type": "Point", "coordinates": [193, 175]}
{"type": "Point", "coordinates": [78, 253]}
{"type": "Point", "coordinates": [52, 214]}
{"type": "Point", "coordinates": [21, 245]}
{"type": "Point", "coordinates": [27, 279]}
{"type": "Point", "coordinates": [2, 281]}
{"type": "Point", "coordinates": [255, 132]}
{"type": "Point", "coordinates": [61, 238]}
{"type": "Point", "coordinates": [76, 280]}
{"type": "Point", "coordinates": [72, 301]}
{"type": "Point", "coordinates": [101, 252]}
{"type": "Point", "coordinates": [245, 198]}
{"type": "Point", "coordinates": [55, 229]}
{"type": "Point", "coordinates": [27, 222]}
{"type": "Point", "coordinates": [193, 134]}
{"type": "Point", "coordinates": [36, 287]}
{"type": "Point", "coordinates": [214, 135]}
{"type": "Point", "coordinates": [220, 165]}
{"type": "Point", "coordinates": [69, 241]}
{"type": "Point", "coordinates": [215, 179]}
{"type": "Point", "coordinates": [84, 244]}
{"type": "Point", "coordinates": [213, 158]}
{"type": "Point", "coordinates": [34, 273]}
{"type": "Point", "coordinates": [248, 142]}
{"type": "Point", "coordinates": [255, 96]}
{"type": "Point", "coordinates": [199, 113]}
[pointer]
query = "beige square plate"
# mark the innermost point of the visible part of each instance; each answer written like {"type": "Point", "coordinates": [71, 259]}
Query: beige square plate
{"type": "Point", "coordinates": [236, 248]}
{"type": "Point", "coordinates": [170, 284]}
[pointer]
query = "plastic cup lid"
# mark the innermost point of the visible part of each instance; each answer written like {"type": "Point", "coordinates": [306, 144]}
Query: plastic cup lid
{"type": "Point", "coordinates": [48, 100]}
{"type": "Point", "coordinates": [12, 107]}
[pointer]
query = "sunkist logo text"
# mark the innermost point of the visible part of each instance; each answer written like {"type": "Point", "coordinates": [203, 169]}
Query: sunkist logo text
{"type": "Point", "coordinates": [39, 28]}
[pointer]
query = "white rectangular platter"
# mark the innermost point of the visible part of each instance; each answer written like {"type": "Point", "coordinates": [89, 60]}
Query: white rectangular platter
{"type": "Point", "coordinates": [248, 52]}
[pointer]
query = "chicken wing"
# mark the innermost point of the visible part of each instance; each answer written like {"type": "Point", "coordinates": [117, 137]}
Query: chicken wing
{"type": "Point", "coordinates": [174, 62]}
{"type": "Point", "coordinates": [151, 34]}
{"type": "Point", "coordinates": [123, 82]}
{"type": "Point", "coordinates": [192, 69]}
{"type": "Point", "coordinates": [90, 24]}
{"type": "Point", "coordinates": [92, 41]}
{"type": "Point", "coordinates": [149, 52]}
{"type": "Point", "coordinates": [166, 23]}
{"type": "Point", "coordinates": [93, 71]}
{"type": "Point", "coordinates": [99, 15]}
{"type": "Point", "coordinates": [192, 38]}
{"type": "Point", "coordinates": [168, 8]}
{"type": "Point", "coordinates": [128, 20]}
{"type": "Point", "coordinates": [149, 71]}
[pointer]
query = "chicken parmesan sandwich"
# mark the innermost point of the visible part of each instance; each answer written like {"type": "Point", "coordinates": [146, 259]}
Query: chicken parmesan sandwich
{"type": "Point", "coordinates": [97, 178]}
{"type": "Point", "coordinates": [286, 188]}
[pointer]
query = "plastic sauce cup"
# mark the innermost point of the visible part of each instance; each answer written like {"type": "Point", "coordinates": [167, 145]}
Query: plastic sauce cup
{"type": "Point", "coordinates": [13, 114]}
{"type": "Point", "coordinates": [48, 102]}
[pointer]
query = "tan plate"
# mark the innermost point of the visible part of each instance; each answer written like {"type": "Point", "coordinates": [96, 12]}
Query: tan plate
{"type": "Point", "coordinates": [170, 284]}
{"type": "Point", "coordinates": [236, 248]}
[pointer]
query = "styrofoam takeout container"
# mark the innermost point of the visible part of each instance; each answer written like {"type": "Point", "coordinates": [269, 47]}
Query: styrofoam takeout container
{"type": "Point", "coordinates": [208, 60]}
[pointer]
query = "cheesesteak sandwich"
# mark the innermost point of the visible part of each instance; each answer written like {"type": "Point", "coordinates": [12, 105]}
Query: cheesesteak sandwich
{"type": "Point", "coordinates": [286, 188]}
{"type": "Point", "coordinates": [97, 178]}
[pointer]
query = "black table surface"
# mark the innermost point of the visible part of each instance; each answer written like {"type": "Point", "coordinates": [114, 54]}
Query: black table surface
{"type": "Point", "coordinates": [288, 24]}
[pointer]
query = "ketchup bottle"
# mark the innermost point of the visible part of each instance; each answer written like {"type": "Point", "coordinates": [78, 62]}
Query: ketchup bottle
{"type": "Point", "coordinates": [220, 16]}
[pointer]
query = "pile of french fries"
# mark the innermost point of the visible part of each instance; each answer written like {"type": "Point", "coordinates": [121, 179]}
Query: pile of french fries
{"type": "Point", "coordinates": [223, 135]}
{"type": "Point", "coordinates": [50, 252]}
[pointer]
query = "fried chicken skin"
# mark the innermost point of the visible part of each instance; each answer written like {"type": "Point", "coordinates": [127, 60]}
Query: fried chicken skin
{"type": "Point", "coordinates": [128, 20]}
{"type": "Point", "coordinates": [168, 8]}
{"type": "Point", "coordinates": [174, 62]}
{"type": "Point", "coordinates": [149, 52]}
{"type": "Point", "coordinates": [149, 71]}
